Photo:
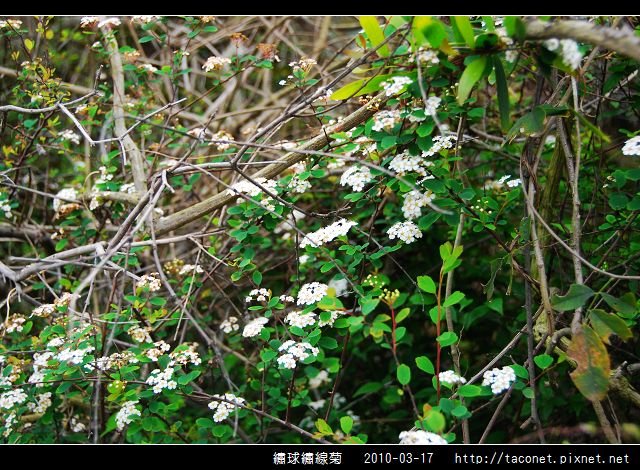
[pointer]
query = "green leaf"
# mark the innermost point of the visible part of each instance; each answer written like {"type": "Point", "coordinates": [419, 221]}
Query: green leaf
{"type": "Point", "coordinates": [606, 324]}
{"type": "Point", "coordinates": [470, 77]}
{"type": "Point", "coordinates": [515, 27]}
{"type": "Point", "coordinates": [619, 305]}
{"type": "Point", "coordinates": [543, 360]}
{"type": "Point", "coordinates": [62, 243]}
{"type": "Point", "coordinates": [323, 427]}
{"type": "Point", "coordinates": [368, 304]}
{"type": "Point", "coordinates": [453, 299]}
{"type": "Point", "coordinates": [591, 376]}
{"type": "Point", "coordinates": [425, 364]}
{"type": "Point", "coordinates": [268, 354]}
{"type": "Point", "coordinates": [426, 284]}
{"type": "Point", "coordinates": [435, 420]}
{"type": "Point", "coordinates": [447, 338]}
{"type": "Point", "coordinates": [402, 314]}
{"type": "Point", "coordinates": [520, 371]}
{"type": "Point", "coordinates": [359, 87]}
{"type": "Point", "coordinates": [158, 301]}
{"type": "Point", "coordinates": [374, 33]}
{"type": "Point", "coordinates": [503, 93]}
{"type": "Point", "coordinates": [370, 387]}
{"type": "Point", "coordinates": [330, 303]}
{"type": "Point", "coordinates": [257, 277]}
{"type": "Point", "coordinates": [459, 411]}
{"type": "Point", "coordinates": [404, 374]}
{"type": "Point", "coordinates": [346, 424]}
{"type": "Point", "coordinates": [529, 124]}
{"type": "Point", "coordinates": [576, 297]}
{"type": "Point", "coordinates": [466, 30]}
{"type": "Point", "coordinates": [528, 393]}
{"type": "Point", "coordinates": [469, 390]}
{"type": "Point", "coordinates": [185, 379]}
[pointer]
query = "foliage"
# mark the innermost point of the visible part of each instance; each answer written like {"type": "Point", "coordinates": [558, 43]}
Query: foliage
{"type": "Point", "coordinates": [420, 220]}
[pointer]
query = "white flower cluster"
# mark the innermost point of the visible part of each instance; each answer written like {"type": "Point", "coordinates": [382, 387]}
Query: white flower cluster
{"type": "Point", "coordinates": [261, 295]}
{"type": "Point", "coordinates": [115, 360]}
{"type": "Point", "coordinates": [140, 334]}
{"type": "Point", "coordinates": [450, 377]}
{"type": "Point", "coordinates": [55, 343]}
{"type": "Point", "coordinates": [499, 379]}
{"type": "Point", "coordinates": [109, 22]}
{"type": "Point", "coordinates": [303, 64]}
{"type": "Point", "coordinates": [46, 310]}
{"type": "Point", "coordinates": [632, 146]}
{"type": "Point", "coordinates": [421, 437]}
{"type": "Point", "coordinates": [319, 380]}
{"type": "Point", "coordinates": [43, 401]}
{"type": "Point", "coordinates": [299, 319]}
{"type": "Point", "coordinates": [74, 356]}
{"type": "Point", "coordinates": [89, 21]}
{"type": "Point", "coordinates": [161, 380]}
{"type": "Point", "coordinates": [11, 418]}
{"type": "Point", "coordinates": [333, 317]}
{"type": "Point", "coordinates": [413, 202]}
{"type": "Point", "coordinates": [104, 175]}
{"type": "Point", "coordinates": [66, 193]}
{"type": "Point", "coordinates": [311, 293]}
{"type": "Point", "coordinates": [286, 298]}
{"type": "Point", "coordinates": [198, 132]}
{"type": "Point", "coordinates": [385, 120]}
{"type": "Point", "coordinates": [190, 269]}
{"type": "Point", "coordinates": [145, 19]}
{"type": "Point", "coordinates": [222, 409]}
{"type": "Point", "coordinates": [356, 177]}
{"type": "Point", "coordinates": [160, 348]}
{"type": "Point", "coordinates": [76, 425]}
{"type": "Point", "coordinates": [395, 85]}
{"type": "Point", "coordinates": [571, 55]}
{"type": "Point", "coordinates": [440, 142]}
{"type": "Point", "coordinates": [340, 286]}
{"type": "Point", "coordinates": [126, 413]}
{"type": "Point", "coordinates": [294, 352]}
{"type": "Point", "coordinates": [15, 24]}
{"type": "Point", "coordinates": [186, 356]}
{"type": "Point", "coordinates": [254, 327]}
{"type": "Point", "coordinates": [15, 323]}
{"type": "Point", "coordinates": [327, 234]}
{"type": "Point", "coordinates": [499, 184]}
{"type": "Point", "coordinates": [215, 63]}
{"type": "Point", "coordinates": [229, 325]}
{"type": "Point", "coordinates": [250, 189]}
{"type": "Point", "coordinates": [151, 281]}
{"type": "Point", "coordinates": [427, 56]}
{"type": "Point", "coordinates": [5, 206]}
{"type": "Point", "coordinates": [432, 105]}
{"type": "Point", "coordinates": [12, 398]}
{"type": "Point", "coordinates": [147, 68]}
{"type": "Point", "coordinates": [404, 163]}
{"type": "Point", "coordinates": [223, 136]}
{"type": "Point", "coordinates": [406, 231]}
{"type": "Point", "coordinates": [298, 185]}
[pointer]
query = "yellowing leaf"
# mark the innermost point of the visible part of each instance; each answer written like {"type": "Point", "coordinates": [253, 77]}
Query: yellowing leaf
{"type": "Point", "coordinates": [606, 324]}
{"type": "Point", "coordinates": [374, 33]}
{"type": "Point", "coordinates": [593, 368]}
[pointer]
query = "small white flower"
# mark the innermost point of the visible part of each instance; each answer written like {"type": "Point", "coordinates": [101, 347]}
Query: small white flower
{"type": "Point", "coordinates": [341, 286]}
{"type": "Point", "coordinates": [551, 44]}
{"type": "Point", "coordinates": [12, 398]}
{"type": "Point", "coordinates": [385, 120]}
{"type": "Point", "coordinates": [66, 193]}
{"type": "Point", "coordinates": [109, 22]}
{"type": "Point", "coordinates": [395, 85]}
{"type": "Point", "coordinates": [126, 413]}
{"type": "Point", "coordinates": [311, 293]}
{"type": "Point", "coordinates": [215, 63]}
{"type": "Point", "coordinates": [327, 234]}
{"type": "Point", "coordinates": [89, 21]}
{"type": "Point", "coordinates": [406, 231]}
{"type": "Point", "coordinates": [414, 201]}
{"type": "Point", "coordinates": [43, 401]}
{"type": "Point", "coordinates": [450, 377]}
{"type": "Point", "coordinates": [229, 325]}
{"type": "Point", "coordinates": [420, 437]}
{"type": "Point", "coordinates": [500, 380]}
{"type": "Point", "coordinates": [356, 177]}
{"type": "Point", "coordinates": [294, 352]}
{"type": "Point", "coordinates": [222, 409]}
{"type": "Point", "coordinates": [190, 269]}
{"type": "Point", "coordinates": [427, 56]}
{"type": "Point", "coordinates": [319, 380]}
{"type": "Point", "coordinates": [632, 146]}
{"type": "Point", "coordinates": [254, 327]}
{"type": "Point", "coordinates": [152, 281]}
{"type": "Point", "coordinates": [297, 318]}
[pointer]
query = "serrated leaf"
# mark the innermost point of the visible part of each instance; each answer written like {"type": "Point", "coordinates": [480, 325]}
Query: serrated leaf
{"type": "Point", "coordinates": [576, 297]}
{"type": "Point", "coordinates": [346, 424]}
{"type": "Point", "coordinates": [374, 33]}
{"type": "Point", "coordinates": [404, 374]}
{"type": "Point", "coordinates": [426, 284]}
{"type": "Point", "coordinates": [425, 364]}
{"type": "Point", "coordinates": [591, 376]}
{"type": "Point", "coordinates": [472, 73]}
{"type": "Point", "coordinates": [543, 360]}
{"type": "Point", "coordinates": [606, 324]}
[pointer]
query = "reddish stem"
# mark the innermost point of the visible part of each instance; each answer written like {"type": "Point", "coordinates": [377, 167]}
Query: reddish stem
{"type": "Point", "coordinates": [393, 329]}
